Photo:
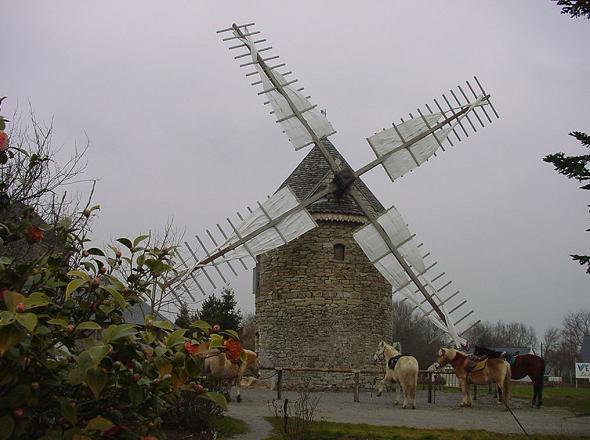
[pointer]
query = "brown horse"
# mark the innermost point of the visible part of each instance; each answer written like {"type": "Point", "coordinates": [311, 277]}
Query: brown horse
{"type": "Point", "coordinates": [483, 372]}
{"type": "Point", "coordinates": [522, 365]}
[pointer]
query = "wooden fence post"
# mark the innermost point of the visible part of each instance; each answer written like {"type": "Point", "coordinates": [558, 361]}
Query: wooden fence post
{"type": "Point", "coordinates": [474, 392]}
{"type": "Point", "coordinates": [357, 379]}
{"type": "Point", "coordinates": [429, 387]}
{"type": "Point", "coordinates": [279, 382]}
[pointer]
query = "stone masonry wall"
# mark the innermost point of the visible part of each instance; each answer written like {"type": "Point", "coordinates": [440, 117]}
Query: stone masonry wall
{"type": "Point", "coordinates": [313, 311]}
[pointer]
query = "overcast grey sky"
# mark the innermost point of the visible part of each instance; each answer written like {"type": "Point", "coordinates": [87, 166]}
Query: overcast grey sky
{"type": "Point", "coordinates": [176, 130]}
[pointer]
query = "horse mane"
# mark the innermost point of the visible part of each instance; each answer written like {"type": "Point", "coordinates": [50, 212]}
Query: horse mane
{"type": "Point", "coordinates": [389, 347]}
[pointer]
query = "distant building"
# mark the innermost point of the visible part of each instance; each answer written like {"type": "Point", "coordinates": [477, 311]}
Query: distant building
{"type": "Point", "coordinates": [136, 313]}
{"type": "Point", "coordinates": [514, 350]}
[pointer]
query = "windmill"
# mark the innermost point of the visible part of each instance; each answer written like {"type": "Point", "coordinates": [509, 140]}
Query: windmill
{"type": "Point", "coordinates": [385, 238]}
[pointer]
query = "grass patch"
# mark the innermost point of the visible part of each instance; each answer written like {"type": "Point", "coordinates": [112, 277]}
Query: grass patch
{"type": "Point", "coordinates": [227, 427]}
{"type": "Point", "coordinates": [576, 400]}
{"type": "Point", "coordinates": [348, 431]}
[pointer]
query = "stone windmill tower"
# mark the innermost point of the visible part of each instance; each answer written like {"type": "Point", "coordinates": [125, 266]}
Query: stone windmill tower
{"type": "Point", "coordinates": [320, 303]}
{"type": "Point", "coordinates": [328, 255]}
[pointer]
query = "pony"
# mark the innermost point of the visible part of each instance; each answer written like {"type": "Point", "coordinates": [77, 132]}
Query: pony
{"type": "Point", "coordinates": [404, 372]}
{"type": "Point", "coordinates": [220, 367]}
{"type": "Point", "coordinates": [483, 371]}
{"type": "Point", "coordinates": [521, 365]}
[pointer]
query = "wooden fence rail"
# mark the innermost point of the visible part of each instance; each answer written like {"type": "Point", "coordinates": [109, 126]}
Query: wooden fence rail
{"type": "Point", "coordinates": [357, 373]}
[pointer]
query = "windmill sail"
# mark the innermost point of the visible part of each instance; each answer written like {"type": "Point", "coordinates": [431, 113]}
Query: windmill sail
{"type": "Point", "coordinates": [276, 235]}
{"type": "Point", "coordinates": [291, 108]}
{"type": "Point", "coordinates": [382, 257]}
{"type": "Point", "coordinates": [405, 159]}
{"type": "Point", "coordinates": [277, 221]}
{"type": "Point", "coordinates": [376, 249]}
{"type": "Point", "coordinates": [408, 145]}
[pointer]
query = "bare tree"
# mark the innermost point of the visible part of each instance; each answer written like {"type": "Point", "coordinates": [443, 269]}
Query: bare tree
{"type": "Point", "coordinates": [501, 334]}
{"type": "Point", "coordinates": [575, 326]}
{"type": "Point", "coordinates": [41, 189]}
{"type": "Point", "coordinates": [551, 341]}
{"type": "Point", "coordinates": [417, 335]}
{"type": "Point", "coordinates": [35, 177]}
{"type": "Point", "coordinates": [248, 331]}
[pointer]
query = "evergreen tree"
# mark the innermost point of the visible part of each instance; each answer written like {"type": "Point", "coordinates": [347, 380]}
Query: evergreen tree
{"type": "Point", "coordinates": [221, 311]}
{"type": "Point", "coordinates": [576, 8]}
{"type": "Point", "coordinates": [184, 317]}
{"type": "Point", "coordinates": [575, 167]}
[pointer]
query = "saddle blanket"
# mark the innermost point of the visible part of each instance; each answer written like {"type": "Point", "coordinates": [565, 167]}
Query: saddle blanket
{"type": "Point", "coordinates": [392, 362]}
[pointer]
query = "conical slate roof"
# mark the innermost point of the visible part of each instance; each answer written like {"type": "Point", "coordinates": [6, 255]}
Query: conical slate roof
{"type": "Point", "coordinates": [314, 173]}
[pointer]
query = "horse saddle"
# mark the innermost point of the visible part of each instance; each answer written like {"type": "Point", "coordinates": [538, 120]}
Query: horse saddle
{"type": "Point", "coordinates": [392, 362]}
{"type": "Point", "coordinates": [511, 358]}
{"type": "Point", "coordinates": [475, 364]}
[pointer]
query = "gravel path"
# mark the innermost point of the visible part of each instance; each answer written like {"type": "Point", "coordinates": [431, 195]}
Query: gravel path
{"type": "Point", "coordinates": [485, 414]}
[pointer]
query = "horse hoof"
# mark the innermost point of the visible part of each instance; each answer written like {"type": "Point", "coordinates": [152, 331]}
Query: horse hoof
{"type": "Point", "coordinates": [379, 394]}
{"type": "Point", "coordinates": [239, 399]}
{"type": "Point", "coordinates": [404, 406]}
{"type": "Point", "coordinates": [396, 403]}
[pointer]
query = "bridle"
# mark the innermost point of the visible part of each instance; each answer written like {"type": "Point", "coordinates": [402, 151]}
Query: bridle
{"type": "Point", "coordinates": [379, 356]}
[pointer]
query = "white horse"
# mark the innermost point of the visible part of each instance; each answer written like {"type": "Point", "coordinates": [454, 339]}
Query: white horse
{"type": "Point", "coordinates": [222, 368]}
{"type": "Point", "coordinates": [405, 373]}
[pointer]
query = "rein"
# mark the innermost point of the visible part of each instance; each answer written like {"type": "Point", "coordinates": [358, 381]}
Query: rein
{"type": "Point", "coordinates": [381, 357]}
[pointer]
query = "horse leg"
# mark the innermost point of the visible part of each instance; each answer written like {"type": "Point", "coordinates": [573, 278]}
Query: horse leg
{"type": "Point", "coordinates": [541, 381]}
{"type": "Point", "coordinates": [398, 387]}
{"type": "Point", "coordinates": [506, 393]}
{"type": "Point", "coordinates": [381, 387]}
{"type": "Point", "coordinates": [504, 384]}
{"type": "Point", "coordinates": [538, 391]}
{"type": "Point", "coordinates": [499, 393]}
{"type": "Point", "coordinates": [238, 381]}
{"type": "Point", "coordinates": [466, 401]}
{"type": "Point", "coordinates": [411, 390]}
{"type": "Point", "coordinates": [405, 391]}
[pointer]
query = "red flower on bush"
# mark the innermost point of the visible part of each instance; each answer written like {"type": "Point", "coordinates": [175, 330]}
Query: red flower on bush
{"type": "Point", "coordinates": [233, 349]}
{"type": "Point", "coordinates": [115, 431]}
{"type": "Point", "coordinates": [3, 141]}
{"type": "Point", "coordinates": [33, 234]}
{"type": "Point", "coordinates": [191, 348]}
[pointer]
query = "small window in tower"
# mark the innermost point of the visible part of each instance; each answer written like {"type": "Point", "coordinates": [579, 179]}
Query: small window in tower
{"type": "Point", "coordinates": [339, 252]}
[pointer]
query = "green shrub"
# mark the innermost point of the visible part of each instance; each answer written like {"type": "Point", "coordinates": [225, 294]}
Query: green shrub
{"type": "Point", "coordinates": [69, 366]}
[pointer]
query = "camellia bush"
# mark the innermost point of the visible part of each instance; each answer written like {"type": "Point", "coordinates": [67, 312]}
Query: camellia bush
{"type": "Point", "coordinates": [70, 367]}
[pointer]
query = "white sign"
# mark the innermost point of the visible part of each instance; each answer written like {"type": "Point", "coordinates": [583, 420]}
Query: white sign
{"type": "Point", "coordinates": [583, 370]}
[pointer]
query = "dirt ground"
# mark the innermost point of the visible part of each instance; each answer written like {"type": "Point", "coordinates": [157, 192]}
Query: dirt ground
{"type": "Point", "coordinates": [445, 413]}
